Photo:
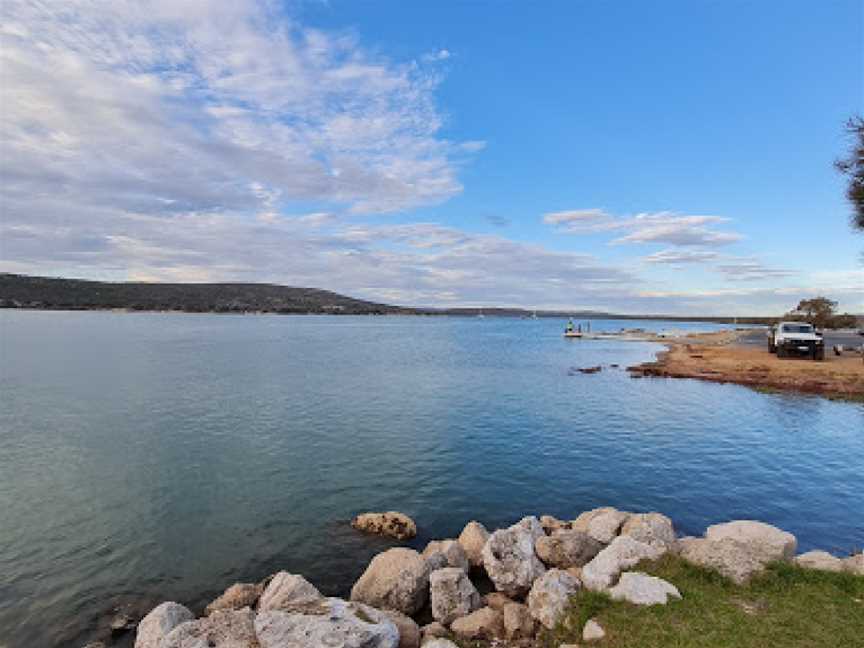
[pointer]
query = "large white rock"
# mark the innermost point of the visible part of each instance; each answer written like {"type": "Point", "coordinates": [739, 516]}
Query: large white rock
{"type": "Point", "coordinates": [336, 623]}
{"type": "Point", "coordinates": [821, 560]}
{"type": "Point", "coordinates": [159, 622]}
{"type": "Point", "coordinates": [605, 526]}
{"type": "Point", "coordinates": [290, 593]}
{"type": "Point", "coordinates": [567, 548]}
{"type": "Point", "coordinates": [624, 552]}
{"type": "Point", "coordinates": [222, 629]}
{"type": "Point", "coordinates": [650, 528]}
{"type": "Point", "coordinates": [453, 595]}
{"type": "Point", "coordinates": [770, 541]}
{"type": "Point", "coordinates": [738, 561]}
{"type": "Point", "coordinates": [510, 560]}
{"type": "Point", "coordinates": [446, 553]}
{"type": "Point", "coordinates": [550, 595]}
{"type": "Point", "coordinates": [472, 539]}
{"type": "Point", "coordinates": [397, 579]}
{"type": "Point", "coordinates": [641, 589]}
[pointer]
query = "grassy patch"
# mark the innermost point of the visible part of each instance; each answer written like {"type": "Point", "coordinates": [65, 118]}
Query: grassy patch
{"type": "Point", "coordinates": [786, 606]}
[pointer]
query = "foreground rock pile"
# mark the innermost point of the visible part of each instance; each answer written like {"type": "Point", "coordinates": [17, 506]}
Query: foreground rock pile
{"type": "Point", "coordinates": [535, 566]}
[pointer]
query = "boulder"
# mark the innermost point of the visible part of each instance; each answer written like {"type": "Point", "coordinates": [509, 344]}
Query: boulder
{"type": "Point", "coordinates": [334, 623]}
{"type": "Point", "coordinates": [236, 597]}
{"type": "Point", "coordinates": [592, 631]}
{"type": "Point", "coordinates": [624, 552]}
{"type": "Point", "coordinates": [446, 553]}
{"type": "Point", "coordinates": [159, 622]}
{"type": "Point", "coordinates": [650, 528]}
{"type": "Point", "coordinates": [392, 523]}
{"type": "Point", "coordinates": [605, 526]}
{"type": "Point", "coordinates": [552, 524]}
{"type": "Point", "coordinates": [855, 564]}
{"type": "Point", "coordinates": [769, 540]}
{"type": "Point", "coordinates": [289, 593]}
{"type": "Point", "coordinates": [737, 561]}
{"type": "Point", "coordinates": [484, 623]}
{"type": "Point", "coordinates": [433, 630]}
{"type": "Point", "coordinates": [222, 629]}
{"type": "Point", "coordinates": [409, 631]}
{"type": "Point", "coordinates": [510, 560]}
{"type": "Point", "coordinates": [550, 595]}
{"type": "Point", "coordinates": [472, 540]}
{"type": "Point", "coordinates": [821, 560]}
{"type": "Point", "coordinates": [453, 595]}
{"type": "Point", "coordinates": [567, 548]}
{"type": "Point", "coordinates": [496, 600]}
{"type": "Point", "coordinates": [581, 523]}
{"type": "Point", "coordinates": [641, 589]}
{"type": "Point", "coordinates": [397, 579]}
{"type": "Point", "coordinates": [518, 622]}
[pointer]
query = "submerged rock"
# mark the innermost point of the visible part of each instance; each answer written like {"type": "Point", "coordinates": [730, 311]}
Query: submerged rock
{"type": "Point", "coordinates": [336, 623]}
{"type": "Point", "coordinates": [550, 595]}
{"type": "Point", "coordinates": [397, 579]}
{"type": "Point", "coordinates": [641, 589]}
{"type": "Point", "coordinates": [453, 595]}
{"type": "Point", "coordinates": [159, 622]}
{"type": "Point", "coordinates": [472, 540]}
{"type": "Point", "coordinates": [768, 540]}
{"type": "Point", "coordinates": [510, 560]}
{"type": "Point", "coordinates": [392, 523]}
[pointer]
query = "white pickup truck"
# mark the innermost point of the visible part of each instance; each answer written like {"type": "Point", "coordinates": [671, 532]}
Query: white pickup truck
{"type": "Point", "coordinates": [796, 338]}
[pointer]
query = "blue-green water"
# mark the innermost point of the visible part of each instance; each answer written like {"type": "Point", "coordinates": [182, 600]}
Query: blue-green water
{"type": "Point", "coordinates": [164, 456]}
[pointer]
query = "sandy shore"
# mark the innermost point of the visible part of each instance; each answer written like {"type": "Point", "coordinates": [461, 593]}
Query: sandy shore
{"type": "Point", "coordinates": [720, 357]}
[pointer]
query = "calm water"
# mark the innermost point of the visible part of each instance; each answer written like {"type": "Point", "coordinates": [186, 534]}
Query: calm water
{"type": "Point", "coordinates": [147, 456]}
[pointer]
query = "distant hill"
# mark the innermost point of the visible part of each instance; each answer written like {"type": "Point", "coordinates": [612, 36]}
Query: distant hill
{"type": "Point", "coordinates": [47, 293]}
{"type": "Point", "coordinates": [21, 291]}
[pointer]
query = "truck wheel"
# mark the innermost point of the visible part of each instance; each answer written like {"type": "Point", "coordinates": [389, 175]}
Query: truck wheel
{"type": "Point", "coordinates": [819, 354]}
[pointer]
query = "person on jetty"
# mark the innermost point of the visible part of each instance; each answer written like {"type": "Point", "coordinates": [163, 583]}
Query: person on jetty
{"type": "Point", "coordinates": [569, 328]}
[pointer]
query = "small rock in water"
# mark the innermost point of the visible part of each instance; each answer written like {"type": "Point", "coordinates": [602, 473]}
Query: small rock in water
{"type": "Point", "coordinates": [590, 370]}
{"type": "Point", "coordinates": [392, 523]}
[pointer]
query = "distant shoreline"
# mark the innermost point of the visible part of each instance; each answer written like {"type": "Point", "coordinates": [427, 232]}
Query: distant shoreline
{"type": "Point", "coordinates": [57, 294]}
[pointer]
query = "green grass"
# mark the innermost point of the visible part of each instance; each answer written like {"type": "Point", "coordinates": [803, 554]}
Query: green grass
{"type": "Point", "coordinates": [786, 606]}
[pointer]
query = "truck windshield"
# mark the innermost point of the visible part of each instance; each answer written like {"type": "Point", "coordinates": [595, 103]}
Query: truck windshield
{"type": "Point", "coordinates": [797, 328]}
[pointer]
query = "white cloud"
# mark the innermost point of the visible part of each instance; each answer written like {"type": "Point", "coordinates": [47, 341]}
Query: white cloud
{"type": "Point", "coordinates": [658, 227]}
{"type": "Point", "coordinates": [160, 106]}
{"type": "Point", "coordinates": [677, 257]}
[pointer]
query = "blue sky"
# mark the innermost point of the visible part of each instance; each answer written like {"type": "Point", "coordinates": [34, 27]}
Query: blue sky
{"type": "Point", "coordinates": [639, 157]}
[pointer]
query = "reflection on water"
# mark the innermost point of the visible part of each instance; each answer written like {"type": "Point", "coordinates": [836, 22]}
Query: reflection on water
{"type": "Point", "coordinates": [152, 456]}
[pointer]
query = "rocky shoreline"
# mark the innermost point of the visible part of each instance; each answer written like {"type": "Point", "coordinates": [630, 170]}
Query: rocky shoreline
{"type": "Point", "coordinates": [408, 599]}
